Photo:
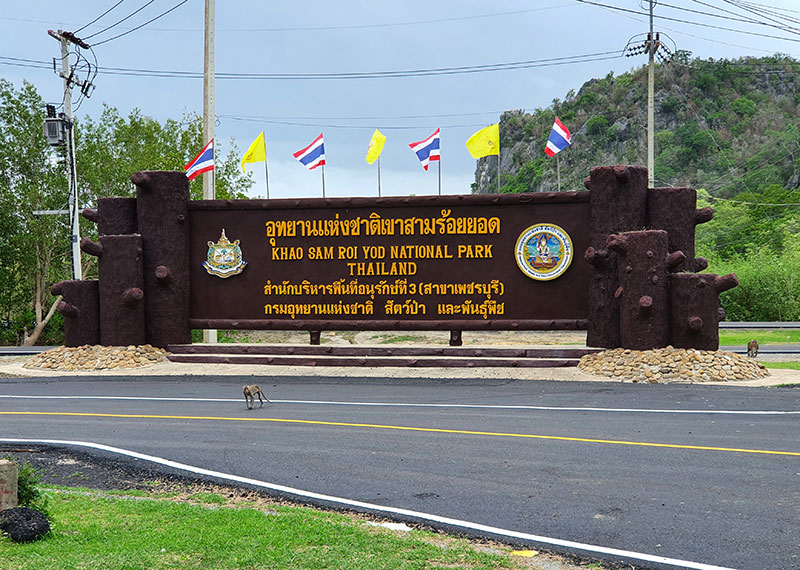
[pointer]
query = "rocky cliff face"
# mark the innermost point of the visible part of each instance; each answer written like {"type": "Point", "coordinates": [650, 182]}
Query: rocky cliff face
{"type": "Point", "coordinates": [708, 115]}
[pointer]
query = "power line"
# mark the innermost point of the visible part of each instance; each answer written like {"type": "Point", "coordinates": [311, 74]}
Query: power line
{"type": "Point", "coordinates": [737, 18]}
{"type": "Point", "coordinates": [161, 15]}
{"type": "Point", "coordinates": [175, 74]}
{"type": "Point", "coordinates": [340, 126]}
{"type": "Point", "coordinates": [586, 58]}
{"type": "Point", "coordinates": [754, 203]}
{"type": "Point", "coordinates": [382, 118]}
{"type": "Point", "coordinates": [762, 10]}
{"type": "Point", "coordinates": [705, 25]}
{"type": "Point", "coordinates": [118, 22]}
{"type": "Point", "coordinates": [336, 28]}
{"type": "Point", "coordinates": [21, 62]}
{"type": "Point", "coordinates": [398, 24]}
{"type": "Point", "coordinates": [687, 34]}
{"type": "Point", "coordinates": [98, 17]}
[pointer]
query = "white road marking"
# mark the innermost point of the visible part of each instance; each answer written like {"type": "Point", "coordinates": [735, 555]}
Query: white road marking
{"type": "Point", "coordinates": [420, 405]}
{"type": "Point", "coordinates": [381, 508]}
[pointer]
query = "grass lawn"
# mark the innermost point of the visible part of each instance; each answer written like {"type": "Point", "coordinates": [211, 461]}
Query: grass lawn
{"type": "Point", "coordinates": [732, 337]}
{"type": "Point", "coordinates": [94, 531]}
{"type": "Point", "coordinates": [791, 365]}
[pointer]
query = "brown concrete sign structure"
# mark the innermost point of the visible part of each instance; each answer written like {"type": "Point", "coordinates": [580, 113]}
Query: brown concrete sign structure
{"type": "Point", "coordinates": [605, 260]}
{"type": "Point", "coordinates": [386, 263]}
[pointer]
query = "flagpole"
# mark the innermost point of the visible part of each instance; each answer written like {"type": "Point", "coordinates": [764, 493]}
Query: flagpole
{"type": "Point", "coordinates": [440, 176]}
{"type": "Point", "coordinates": [498, 162]}
{"type": "Point", "coordinates": [379, 177]}
{"type": "Point", "coordinates": [558, 172]}
{"type": "Point", "coordinates": [323, 180]}
{"type": "Point", "coordinates": [266, 168]}
{"type": "Point", "coordinates": [209, 178]}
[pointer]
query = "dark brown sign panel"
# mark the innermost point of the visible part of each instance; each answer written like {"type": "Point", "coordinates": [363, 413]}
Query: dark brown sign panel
{"type": "Point", "coordinates": [450, 262]}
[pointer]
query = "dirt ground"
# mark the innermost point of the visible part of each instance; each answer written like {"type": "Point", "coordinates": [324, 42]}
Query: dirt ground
{"type": "Point", "coordinates": [14, 366]}
{"type": "Point", "coordinates": [428, 338]}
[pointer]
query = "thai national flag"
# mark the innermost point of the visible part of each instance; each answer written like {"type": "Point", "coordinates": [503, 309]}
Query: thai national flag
{"type": "Point", "coordinates": [559, 139]}
{"type": "Point", "coordinates": [428, 149]}
{"type": "Point", "coordinates": [203, 162]}
{"type": "Point", "coordinates": [313, 155]}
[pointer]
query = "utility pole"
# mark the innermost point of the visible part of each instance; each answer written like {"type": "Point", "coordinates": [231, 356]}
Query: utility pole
{"type": "Point", "coordinates": [208, 95]}
{"type": "Point", "coordinates": [652, 46]}
{"type": "Point", "coordinates": [66, 38]}
{"type": "Point", "coordinates": [209, 119]}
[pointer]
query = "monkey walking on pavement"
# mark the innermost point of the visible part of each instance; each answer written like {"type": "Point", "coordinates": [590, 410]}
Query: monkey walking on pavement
{"type": "Point", "coordinates": [752, 348]}
{"type": "Point", "coordinates": [250, 393]}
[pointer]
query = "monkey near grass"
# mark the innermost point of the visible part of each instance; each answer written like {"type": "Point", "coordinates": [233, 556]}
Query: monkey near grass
{"type": "Point", "coordinates": [752, 348]}
{"type": "Point", "coordinates": [250, 393]}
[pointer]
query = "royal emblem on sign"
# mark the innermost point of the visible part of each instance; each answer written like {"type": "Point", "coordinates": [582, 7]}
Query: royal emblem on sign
{"type": "Point", "coordinates": [224, 258]}
{"type": "Point", "coordinates": [543, 252]}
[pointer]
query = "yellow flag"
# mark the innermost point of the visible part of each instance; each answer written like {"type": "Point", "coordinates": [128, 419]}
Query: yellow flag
{"type": "Point", "coordinates": [375, 146]}
{"type": "Point", "coordinates": [485, 142]}
{"type": "Point", "coordinates": [257, 151]}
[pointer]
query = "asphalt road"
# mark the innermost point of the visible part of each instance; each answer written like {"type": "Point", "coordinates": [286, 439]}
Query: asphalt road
{"type": "Point", "coordinates": [665, 470]}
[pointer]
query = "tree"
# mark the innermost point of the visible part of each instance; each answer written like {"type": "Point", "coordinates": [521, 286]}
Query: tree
{"type": "Point", "coordinates": [112, 148]}
{"type": "Point", "coordinates": [33, 249]}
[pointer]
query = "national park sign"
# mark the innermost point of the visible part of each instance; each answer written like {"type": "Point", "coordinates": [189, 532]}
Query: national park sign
{"type": "Point", "coordinates": [617, 260]}
{"type": "Point", "coordinates": [428, 262]}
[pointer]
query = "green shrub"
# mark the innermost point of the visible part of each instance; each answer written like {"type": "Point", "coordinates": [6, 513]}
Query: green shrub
{"type": "Point", "coordinates": [587, 99]}
{"type": "Point", "coordinates": [596, 125]}
{"type": "Point", "coordinates": [769, 286]}
{"type": "Point", "coordinates": [665, 139]}
{"type": "Point", "coordinates": [743, 107]}
{"type": "Point", "coordinates": [670, 104]}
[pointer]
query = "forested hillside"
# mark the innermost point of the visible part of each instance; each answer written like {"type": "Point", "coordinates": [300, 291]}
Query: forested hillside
{"type": "Point", "coordinates": [728, 128]}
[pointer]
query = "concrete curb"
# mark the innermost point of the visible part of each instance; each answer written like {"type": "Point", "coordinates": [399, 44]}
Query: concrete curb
{"type": "Point", "coordinates": [14, 366]}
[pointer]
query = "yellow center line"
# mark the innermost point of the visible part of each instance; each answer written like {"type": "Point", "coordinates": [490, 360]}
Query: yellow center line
{"type": "Point", "coordinates": [409, 428]}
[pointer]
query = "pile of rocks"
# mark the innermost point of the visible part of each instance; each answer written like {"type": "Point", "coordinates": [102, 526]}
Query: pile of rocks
{"type": "Point", "coordinates": [97, 357]}
{"type": "Point", "coordinates": [672, 365]}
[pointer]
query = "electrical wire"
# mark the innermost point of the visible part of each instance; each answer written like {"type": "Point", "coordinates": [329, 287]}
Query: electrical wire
{"type": "Point", "coordinates": [762, 11]}
{"type": "Point", "coordinates": [118, 22]}
{"type": "Point", "coordinates": [759, 207]}
{"type": "Point", "coordinates": [601, 56]}
{"type": "Point", "coordinates": [382, 118]}
{"type": "Point", "coordinates": [705, 25]}
{"type": "Point", "coordinates": [98, 17]}
{"type": "Point", "coordinates": [397, 24]}
{"type": "Point", "coordinates": [735, 201]}
{"type": "Point", "coordinates": [737, 18]}
{"type": "Point", "coordinates": [340, 126]}
{"type": "Point", "coordinates": [347, 27]}
{"type": "Point", "coordinates": [161, 15]}
{"type": "Point", "coordinates": [21, 62]}
{"type": "Point", "coordinates": [548, 62]}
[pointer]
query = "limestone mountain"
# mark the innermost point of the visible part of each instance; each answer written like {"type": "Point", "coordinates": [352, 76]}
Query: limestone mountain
{"type": "Point", "coordinates": [727, 126]}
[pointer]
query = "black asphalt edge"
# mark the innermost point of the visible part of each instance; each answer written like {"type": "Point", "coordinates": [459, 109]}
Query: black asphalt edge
{"type": "Point", "coordinates": [129, 461]}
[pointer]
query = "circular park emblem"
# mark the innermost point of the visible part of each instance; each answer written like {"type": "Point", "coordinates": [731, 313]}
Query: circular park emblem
{"type": "Point", "coordinates": [543, 252]}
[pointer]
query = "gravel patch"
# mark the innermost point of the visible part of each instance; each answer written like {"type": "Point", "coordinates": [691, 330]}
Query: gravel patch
{"type": "Point", "coordinates": [97, 357]}
{"type": "Point", "coordinates": [673, 365]}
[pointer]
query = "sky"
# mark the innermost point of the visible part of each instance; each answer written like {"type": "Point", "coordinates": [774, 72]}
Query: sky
{"type": "Point", "coordinates": [563, 42]}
